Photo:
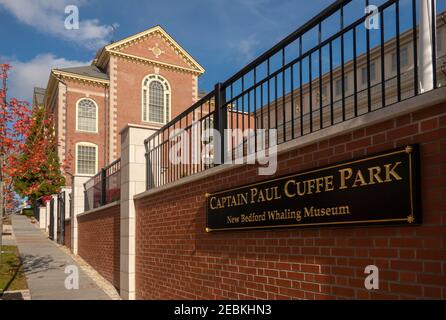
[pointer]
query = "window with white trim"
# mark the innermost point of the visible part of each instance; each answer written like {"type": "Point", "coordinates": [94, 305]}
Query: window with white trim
{"type": "Point", "coordinates": [86, 158]}
{"type": "Point", "coordinates": [86, 115]}
{"type": "Point", "coordinates": [155, 99]}
{"type": "Point", "coordinates": [364, 73]}
{"type": "Point", "coordinates": [404, 58]}
{"type": "Point", "coordinates": [339, 86]}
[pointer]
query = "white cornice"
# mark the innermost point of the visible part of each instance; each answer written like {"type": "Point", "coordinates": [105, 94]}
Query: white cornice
{"type": "Point", "coordinates": [79, 77]}
{"type": "Point", "coordinates": [153, 62]}
{"type": "Point", "coordinates": [157, 29]}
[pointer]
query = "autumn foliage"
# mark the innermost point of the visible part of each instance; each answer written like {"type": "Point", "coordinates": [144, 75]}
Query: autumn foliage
{"type": "Point", "coordinates": [28, 149]}
{"type": "Point", "coordinates": [14, 124]}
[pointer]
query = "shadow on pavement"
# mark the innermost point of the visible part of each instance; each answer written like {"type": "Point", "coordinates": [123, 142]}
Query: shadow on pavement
{"type": "Point", "coordinates": [34, 264]}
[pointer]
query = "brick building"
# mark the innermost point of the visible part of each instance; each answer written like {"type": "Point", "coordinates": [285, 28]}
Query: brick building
{"type": "Point", "coordinates": [145, 79]}
{"type": "Point", "coordinates": [156, 240]}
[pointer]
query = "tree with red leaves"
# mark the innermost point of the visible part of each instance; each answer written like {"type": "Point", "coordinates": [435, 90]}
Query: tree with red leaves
{"type": "Point", "coordinates": [14, 126]}
{"type": "Point", "coordinates": [37, 175]}
{"type": "Point", "coordinates": [29, 165]}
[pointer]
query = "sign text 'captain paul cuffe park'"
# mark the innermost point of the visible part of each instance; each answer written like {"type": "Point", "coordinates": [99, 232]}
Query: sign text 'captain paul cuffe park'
{"type": "Point", "coordinates": [379, 189]}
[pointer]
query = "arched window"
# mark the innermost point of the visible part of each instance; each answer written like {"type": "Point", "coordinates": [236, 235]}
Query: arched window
{"type": "Point", "coordinates": [155, 99]}
{"type": "Point", "coordinates": [87, 115]}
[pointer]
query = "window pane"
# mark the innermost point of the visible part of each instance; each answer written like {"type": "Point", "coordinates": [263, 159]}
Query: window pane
{"type": "Point", "coordinates": [372, 73]}
{"type": "Point", "coordinates": [156, 102]}
{"type": "Point", "coordinates": [86, 116]}
{"type": "Point", "coordinates": [86, 159]}
{"type": "Point", "coordinates": [339, 86]}
{"type": "Point", "coordinates": [404, 58]}
{"type": "Point", "coordinates": [144, 105]}
{"type": "Point", "coordinates": [167, 107]}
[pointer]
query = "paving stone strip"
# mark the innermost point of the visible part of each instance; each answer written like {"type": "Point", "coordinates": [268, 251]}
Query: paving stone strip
{"type": "Point", "coordinates": [44, 265]}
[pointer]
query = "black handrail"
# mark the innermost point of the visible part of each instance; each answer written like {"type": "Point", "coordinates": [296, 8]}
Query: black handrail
{"type": "Point", "coordinates": [327, 12]}
{"type": "Point", "coordinates": [104, 187]}
{"type": "Point", "coordinates": [257, 105]}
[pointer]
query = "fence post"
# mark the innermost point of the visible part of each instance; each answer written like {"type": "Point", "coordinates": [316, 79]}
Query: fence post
{"type": "Point", "coordinates": [133, 165]}
{"type": "Point", "coordinates": [77, 204]}
{"type": "Point", "coordinates": [103, 186]}
{"type": "Point", "coordinates": [427, 54]}
{"type": "Point", "coordinates": [149, 175]}
{"type": "Point", "coordinates": [220, 121]}
{"type": "Point", "coordinates": [86, 206]}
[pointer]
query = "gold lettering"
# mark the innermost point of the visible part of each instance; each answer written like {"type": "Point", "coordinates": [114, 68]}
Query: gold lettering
{"type": "Point", "coordinates": [310, 184]}
{"type": "Point", "coordinates": [212, 206]}
{"type": "Point", "coordinates": [287, 192]}
{"type": "Point", "coordinates": [269, 194]}
{"type": "Point", "coordinates": [244, 197]}
{"type": "Point", "coordinates": [345, 175]}
{"type": "Point", "coordinates": [261, 198]}
{"type": "Point", "coordinates": [329, 183]}
{"type": "Point", "coordinates": [254, 192]}
{"type": "Point", "coordinates": [299, 191]}
{"type": "Point", "coordinates": [359, 178]}
{"type": "Point", "coordinates": [319, 184]}
{"type": "Point", "coordinates": [391, 172]}
{"type": "Point", "coordinates": [374, 175]}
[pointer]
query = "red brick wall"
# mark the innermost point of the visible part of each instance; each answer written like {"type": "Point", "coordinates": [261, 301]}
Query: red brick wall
{"type": "Point", "coordinates": [129, 97]}
{"type": "Point", "coordinates": [72, 136]}
{"type": "Point", "coordinates": [67, 235]}
{"type": "Point", "coordinates": [177, 259]}
{"type": "Point", "coordinates": [99, 241]}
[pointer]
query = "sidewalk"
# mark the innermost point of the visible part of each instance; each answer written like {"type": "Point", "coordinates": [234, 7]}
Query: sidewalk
{"type": "Point", "coordinates": [44, 265]}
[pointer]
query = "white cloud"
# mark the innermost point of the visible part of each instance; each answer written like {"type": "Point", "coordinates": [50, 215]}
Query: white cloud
{"type": "Point", "coordinates": [25, 75]}
{"type": "Point", "coordinates": [245, 49]}
{"type": "Point", "coordinates": [49, 16]}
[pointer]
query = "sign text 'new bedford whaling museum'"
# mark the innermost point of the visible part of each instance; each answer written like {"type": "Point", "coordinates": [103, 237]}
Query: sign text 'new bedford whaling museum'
{"type": "Point", "coordinates": [379, 189]}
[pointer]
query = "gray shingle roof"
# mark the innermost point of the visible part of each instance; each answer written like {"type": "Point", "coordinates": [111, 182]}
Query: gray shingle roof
{"type": "Point", "coordinates": [89, 71]}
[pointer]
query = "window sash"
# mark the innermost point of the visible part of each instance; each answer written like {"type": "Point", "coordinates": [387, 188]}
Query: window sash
{"type": "Point", "coordinates": [86, 159]}
{"type": "Point", "coordinates": [155, 100]}
{"type": "Point", "coordinates": [86, 116]}
{"type": "Point", "coordinates": [339, 86]}
{"type": "Point", "coordinates": [372, 74]}
{"type": "Point", "coordinates": [404, 58]}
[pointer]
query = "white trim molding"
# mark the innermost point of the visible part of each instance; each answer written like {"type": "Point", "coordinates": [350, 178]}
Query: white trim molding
{"type": "Point", "coordinates": [145, 93]}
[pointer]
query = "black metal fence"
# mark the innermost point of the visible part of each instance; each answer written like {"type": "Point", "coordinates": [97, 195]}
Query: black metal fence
{"type": "Point", "coordinates": [330, 70]}
{"type": "Point", "coordinates": [104, 187]}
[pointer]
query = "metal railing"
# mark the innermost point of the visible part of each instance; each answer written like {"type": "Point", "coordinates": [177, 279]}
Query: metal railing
{"type": "Point", "coordinates": [104, 187]}
{"type": "Point", "coordinates": [330, 70]}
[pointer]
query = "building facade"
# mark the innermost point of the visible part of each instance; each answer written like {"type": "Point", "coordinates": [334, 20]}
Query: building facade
{"type": "Point", "coordinates": [160, 238]}
{"type": "Point", "coordinates": [145, 79]}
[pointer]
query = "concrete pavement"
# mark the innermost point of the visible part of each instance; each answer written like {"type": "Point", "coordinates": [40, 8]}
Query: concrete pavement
{"type": "Point", "coordinates": [44, 265]}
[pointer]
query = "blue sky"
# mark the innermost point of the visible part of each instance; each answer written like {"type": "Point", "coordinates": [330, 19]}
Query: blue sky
{"type": "Point", "coordinates": [223, 35]}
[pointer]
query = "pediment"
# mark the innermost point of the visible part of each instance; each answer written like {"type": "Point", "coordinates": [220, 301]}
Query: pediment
{"type": "Point", "coordinates": [156, 44]}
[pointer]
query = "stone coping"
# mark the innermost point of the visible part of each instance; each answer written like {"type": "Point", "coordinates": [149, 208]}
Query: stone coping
{"type": "Point", "coordinates": [110, 205]}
